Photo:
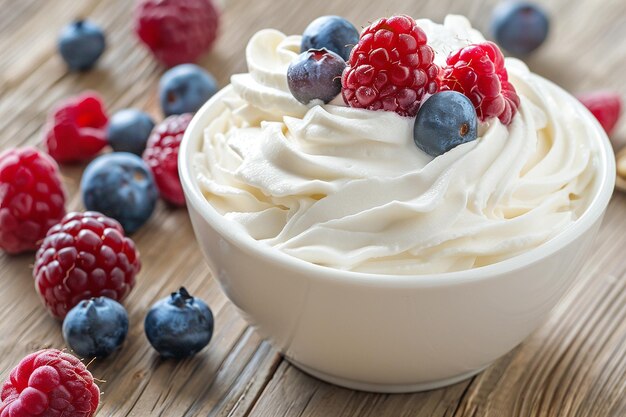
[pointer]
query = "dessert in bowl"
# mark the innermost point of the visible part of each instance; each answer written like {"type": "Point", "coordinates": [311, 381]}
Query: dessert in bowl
{"type": "Point", "coordinates": [368, 262]}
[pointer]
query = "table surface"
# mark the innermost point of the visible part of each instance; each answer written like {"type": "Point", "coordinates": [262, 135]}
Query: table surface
{"type": "Point", "coordinates": [574, 365]}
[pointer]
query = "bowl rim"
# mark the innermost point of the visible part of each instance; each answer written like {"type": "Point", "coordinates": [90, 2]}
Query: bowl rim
{"type": "Point", "coordinates": [196, 201]}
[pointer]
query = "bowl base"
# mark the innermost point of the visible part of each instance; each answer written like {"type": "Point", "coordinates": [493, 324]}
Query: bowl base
{"type": "Point", "coordinates": [385, 388]}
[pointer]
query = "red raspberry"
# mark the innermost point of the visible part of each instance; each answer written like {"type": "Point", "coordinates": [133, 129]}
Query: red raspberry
{"type": "Point", "coordinates": [32, 198]}
{"type": "Point", "coordinates": [84, 256]}
{"type": "Point", "coordinates": [161, 155]}
{"type": "Point", "coordinates": [176, 31]}
{"type": "Point", "coordinates": [391, 68]}
{"type": "Point", "coordinates": [606, 106]}
{"type": "Point", "coordinates": [478, 72]}
{"type": "Point", "coordinates": [76, 129]}
{"type": "Point", "coordinates": [49, 383]}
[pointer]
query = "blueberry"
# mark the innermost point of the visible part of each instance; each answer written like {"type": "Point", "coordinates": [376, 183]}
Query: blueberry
{"type": "Point", "coordinates": [315, 75]}
{"type": "Point", "coordinates": [95, 327]}
{"type": "Point", "coordinates": [331, 32]}
{"type": "Point", "coordinates": [520, 27]}
{"type": "Point", "coordinates": [121, 186]}
{"type": "Point", "coordinates": [128, 131]}
{"type": "Point", "coordinates": [179, 325]}
{"type": "Point", "coordinates": [447, 119]}
{"type": "Point", "coordinates": [185, 88]}
{"type": "Point", "coordinates": [81, 43]}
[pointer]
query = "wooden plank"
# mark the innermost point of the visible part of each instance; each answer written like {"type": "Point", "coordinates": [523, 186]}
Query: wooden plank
{"type": "Point", "coordinates": [575, 365]}
{"type": "Point", "coordinates": [293, 393]}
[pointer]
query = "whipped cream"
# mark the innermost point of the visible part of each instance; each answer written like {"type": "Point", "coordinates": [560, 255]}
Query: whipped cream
{"type": "Point", "coordinates": [348, 188]}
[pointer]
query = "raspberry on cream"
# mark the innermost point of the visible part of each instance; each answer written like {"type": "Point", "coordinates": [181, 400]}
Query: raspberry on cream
{"type": "Point", "coordinates": [478, 72]}
{"type": "Point", "coordinates": [391, 68]}
{"type": "Point", "coordinates": [347, 188]}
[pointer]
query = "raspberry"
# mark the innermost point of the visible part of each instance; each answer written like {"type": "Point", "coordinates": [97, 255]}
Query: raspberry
{"type": "Point", "coordinates": [85, 255]}
{"type": "Point", "coordinates": [49, 383]}
{"type": "Point", "coordinates": [478, 72]}
{"type": "Point", "coordinates": [605, 106]}
{"type": "Point", "coordinates": [161, 155]}
{"type": "Point", "coordinates": [76, 129]}
{"type": "Point", "coordinates": [176, 31]}
{"type": "Point", "coordinates": [32, 198]}
{"type": "Point", "coordinates": [391, 68]}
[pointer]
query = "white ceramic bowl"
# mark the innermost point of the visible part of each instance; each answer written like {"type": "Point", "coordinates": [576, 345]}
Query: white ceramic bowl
{"type": "Point", "coordinates": [388, 333]}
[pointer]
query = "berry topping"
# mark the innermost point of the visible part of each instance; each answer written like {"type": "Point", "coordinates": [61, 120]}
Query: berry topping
{"type": "Point", "coordinates": [120, 186]}
{"type": "Point", "coordinates": [95, 327]}
{"type": "Point", "coordinates": [391, 68]}
{"type": "Point", "coordinates": [520, 27]}
{"type": "Point", "coordinates": [176, 31]}
{"type": "Point", "coordinates": [161, 155]}
{"type": "Point", "coordinates": [478, 72]}
{"type": "Point", "coordinates": [185, 88]}
{"type": "Point", "coordinates": [128, 131]}
{"type": "Point", "coordinates": [76, 129]}
{"type": "Point", "coordinates": [445, 120]}
{"type": "Point", "coordinates": [179, 325]}
{"type": "Point", "coordinates": [32, 198]}
{"type": "Point", "coordinates": [315, 75]}
{"type": "Point", "coordinates": [330, 32]}
{"type": "Point", "coordinates": [606, 106]}
{"type": "Point", "coordinates": [84, 256]}
{"type": "Point", "coordinates": [49, 383]}
{"type": "Point", "coordinates": [80, 44]}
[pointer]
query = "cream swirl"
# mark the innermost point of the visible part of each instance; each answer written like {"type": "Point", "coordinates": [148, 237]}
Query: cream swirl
{"type": "Point", "coordinates": [348, 188]}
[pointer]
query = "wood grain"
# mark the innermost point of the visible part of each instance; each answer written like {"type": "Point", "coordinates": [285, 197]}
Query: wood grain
{"type": "Point", "coordinates": [575, 365]}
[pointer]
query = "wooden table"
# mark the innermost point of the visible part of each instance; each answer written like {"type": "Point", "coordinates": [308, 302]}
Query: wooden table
{"type": "Point", "coordinates": [575, 365]}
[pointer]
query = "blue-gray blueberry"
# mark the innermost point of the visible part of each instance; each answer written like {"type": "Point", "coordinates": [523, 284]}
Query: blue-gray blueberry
{"type": "Point", "coordinates": [315, 75]}
{"type": "Point", "coordinates": [331, 32]}
{"type": "Point", "coordinates": [520, 27]}
{"type": "Point", "coordinates": [95, 327]}
{"type": "Point", "coordinates": [185, 88]}
{"type": "Point", "coordinates": [445, 120]}
{"type": "Point", "coordinates": [179, 326]}
{"type": "Point", "coordinates": [128, 131]}
{"type": "Point", "coordinates": [80, 44]}
{"type": "Point", "coordinates": [121, 186]}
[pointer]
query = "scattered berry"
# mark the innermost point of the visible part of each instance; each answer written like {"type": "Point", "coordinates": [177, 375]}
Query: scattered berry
{"type": "Point", "coordinates": [95, 327]}
{"type": "Point", "coordinates": [81, 43]}
{"type": "Point", "coordinates": [315, 75]}
{"type": "Point", "coordinates": [391, 68]}
{"type": "Point", "coordinates": [520, 27]}
{"type": "Point", "coordinates": [478, 72]}
{"type": "Point", "coordinates": [32, 198]}
{"type": "Point", "coordinates": [606, 106]}
{"type": "Point", "coordinates": [161, 155]}
{"type": "Point", "coordinates": [49, 383]}
{"type": "Point", "coordinates": [331, 32]}
{"type": "Point", "coordinates": [176, 31]}
{"type": "Point", "coordinates": [128, 131]}
{"type": "Point", "coordinates": [76, 129]}
{"type": "Point", "coordinates": [445, 120]}
{"type": "Point", "coordinates": [185, 88]}
{"type": "Point", "coordinates": [120, 186]}
{"type": "Point", "coordinates": [84, 256]}
{"type": "Point", "coordinates": [179, 325]}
